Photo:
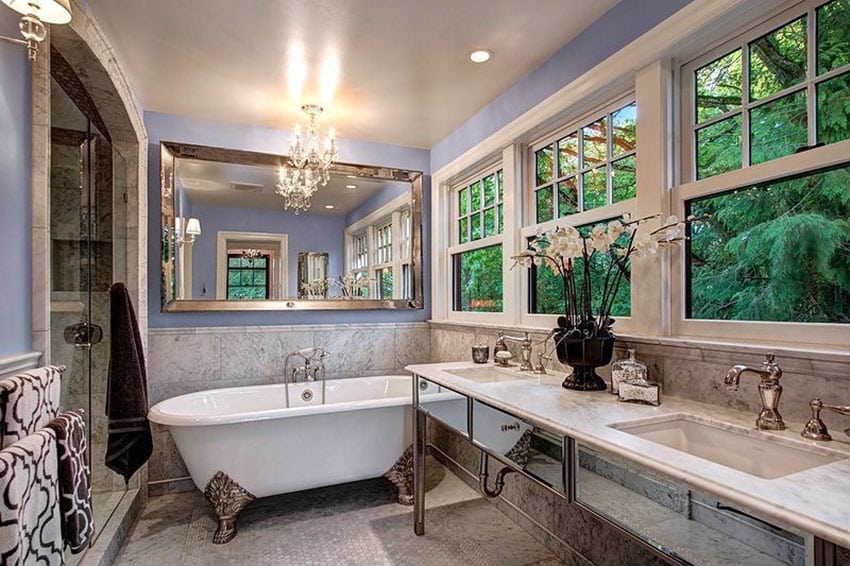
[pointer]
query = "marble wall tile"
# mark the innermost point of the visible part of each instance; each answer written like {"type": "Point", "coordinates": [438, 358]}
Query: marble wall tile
{"type": "Point", "coordinates": [184, 357]}
{"type": "Point", "coordinates": [412, 345]}
{"type": "Point", "coordinates": [353, 351]}
{"type": "Point", "coordinates": [452, 345]}
{"type": "Point", "coordinates": [259, 354]}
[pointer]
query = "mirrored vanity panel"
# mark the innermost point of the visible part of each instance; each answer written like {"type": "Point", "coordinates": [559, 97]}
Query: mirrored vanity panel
{"type": "Point", "coordinates": [444, 405]}
{"type": "Point", "coordinates": [537, 452]}
{"type": "Point", "coordinates": [228, 243]}
{"type": "Point", "coordinates": [682, 524]}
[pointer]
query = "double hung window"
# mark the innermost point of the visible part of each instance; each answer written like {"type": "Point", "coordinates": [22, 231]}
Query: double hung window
{"type": "Point", "coordinates": [769, 118]}
{"type": "Point", "coordinates": [477, 253]}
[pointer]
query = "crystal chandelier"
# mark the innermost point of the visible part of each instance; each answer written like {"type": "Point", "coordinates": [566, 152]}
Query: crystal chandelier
{"type": "Point", "coordinates": [310, 160]}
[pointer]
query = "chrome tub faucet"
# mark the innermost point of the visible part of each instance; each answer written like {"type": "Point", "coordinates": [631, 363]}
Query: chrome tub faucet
{"type": "Point", "coordinates": [815, 429]}
{"type": "Point", "coordinates": [769, 391]}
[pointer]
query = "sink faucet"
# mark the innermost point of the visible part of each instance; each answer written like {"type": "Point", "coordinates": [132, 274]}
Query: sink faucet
{"type": "Point", "coordinates": [815, 429]}
{"type": "Point", "coordinates": [524, 348]}
{"type": "Point", "coordinates": [769, 391]}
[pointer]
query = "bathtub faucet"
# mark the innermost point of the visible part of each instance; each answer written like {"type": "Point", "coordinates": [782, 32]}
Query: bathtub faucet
{"type": "Point", "coordinates": [313, 367]}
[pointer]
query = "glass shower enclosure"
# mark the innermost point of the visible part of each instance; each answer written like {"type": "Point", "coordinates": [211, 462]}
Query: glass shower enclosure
{"type": "Point", "coordinates": [86, 256]}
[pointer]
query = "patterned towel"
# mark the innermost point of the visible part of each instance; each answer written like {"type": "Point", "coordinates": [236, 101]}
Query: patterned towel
{"type": "Point", "coordinates": [30, 521]}
{"type": "Point", "coordinates": [74, 484]}
{"type": "Point", "coordinates": [28, 401]}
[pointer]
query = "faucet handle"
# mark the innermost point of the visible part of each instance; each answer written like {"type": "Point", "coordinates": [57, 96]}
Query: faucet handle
{"type": "Point", "coordinates": [815, 429]}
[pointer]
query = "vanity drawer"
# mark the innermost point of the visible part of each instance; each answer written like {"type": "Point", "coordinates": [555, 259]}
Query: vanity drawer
{"type": "Point", "coordinates": [537, 452]}
{"type": "Point", "coordinates": [444, 405]}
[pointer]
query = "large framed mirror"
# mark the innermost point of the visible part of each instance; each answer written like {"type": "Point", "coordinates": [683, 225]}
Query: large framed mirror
{"type": "Point", "coordinates": [227, 244]}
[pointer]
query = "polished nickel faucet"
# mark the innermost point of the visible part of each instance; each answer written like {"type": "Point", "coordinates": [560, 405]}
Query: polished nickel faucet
{"type": "Point", "coordinates": [524, 348]}
{"type": "Point", "coordinates": [815, 429]}
{"type": "Point", "coordinates": [769, 391]}
{"type": "Point", "coordinates": [313, 367]}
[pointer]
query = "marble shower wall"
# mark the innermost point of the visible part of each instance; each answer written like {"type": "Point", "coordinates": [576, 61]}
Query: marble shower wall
{"type": "Point", "coordinates": [185, 360]}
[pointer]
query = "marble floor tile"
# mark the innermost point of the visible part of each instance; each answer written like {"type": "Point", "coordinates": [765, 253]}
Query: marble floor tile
{"type": "Point", "coordinates": [357, 524]}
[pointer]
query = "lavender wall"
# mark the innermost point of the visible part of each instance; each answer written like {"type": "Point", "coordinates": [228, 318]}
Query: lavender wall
{"type": "Point", "coordinates": [618, 27]}
{"type": "Point", "coordinates": [305, 233]}
{"type": "Point", "coordinates": [167, 127]}
{"type": "Point", "coordinates": [388, 192]}
{"type": "Point", "coordinates": [15, 205]}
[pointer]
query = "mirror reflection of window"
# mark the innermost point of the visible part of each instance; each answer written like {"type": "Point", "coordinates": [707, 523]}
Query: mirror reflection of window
{"type": "Point", "coordinates": [248, 276]}
{"type": "Point", "coordinates": [361, 221]}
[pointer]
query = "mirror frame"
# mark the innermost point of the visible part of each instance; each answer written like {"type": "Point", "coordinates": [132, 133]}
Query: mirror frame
{"type": "Point", "coordinates": [170, 151]}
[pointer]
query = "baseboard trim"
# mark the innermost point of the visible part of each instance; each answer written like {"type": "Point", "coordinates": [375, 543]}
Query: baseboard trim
{"type": "Point", "coordinates": [172, 485]}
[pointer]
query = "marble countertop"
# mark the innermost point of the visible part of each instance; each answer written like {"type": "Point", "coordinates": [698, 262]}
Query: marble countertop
{"type": "Point", "coordinates": [815, 501]}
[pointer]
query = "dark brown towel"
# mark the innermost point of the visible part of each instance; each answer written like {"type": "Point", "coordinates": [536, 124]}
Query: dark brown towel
{"type": "Point", "coordinates": [74, 483]}
{"type": "Point", "coordinates": [129, 444]}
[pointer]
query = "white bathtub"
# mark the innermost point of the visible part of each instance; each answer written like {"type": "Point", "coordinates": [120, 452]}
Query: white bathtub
{"type": "Point", "coordinates": [251, 435]}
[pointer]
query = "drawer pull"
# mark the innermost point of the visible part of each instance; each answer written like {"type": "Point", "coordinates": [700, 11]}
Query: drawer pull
{"type": "Point", "coordinates": [509, 427]}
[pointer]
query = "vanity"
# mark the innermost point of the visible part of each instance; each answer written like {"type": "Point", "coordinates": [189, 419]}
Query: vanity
{"type": "Point", "coordinates": [690, 483]}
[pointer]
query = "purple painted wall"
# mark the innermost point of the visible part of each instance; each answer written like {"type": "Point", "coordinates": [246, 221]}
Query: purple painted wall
{"type": "Point", "coordinates": [387, 193]}
{"type": "Point", "coordinates": [618, 27]}
{"type": "Point", "coordinates": [167, 127]}
{"type": "Point", "coordinates": [305, 233]}
{"type": "Point", "coordinates": [15, 204]}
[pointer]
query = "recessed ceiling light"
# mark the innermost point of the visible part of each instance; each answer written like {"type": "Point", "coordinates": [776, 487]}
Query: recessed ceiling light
{"type": "Point", "coordinates": [329, 206]}
{"type": "Point", "coordinates": [480, 55]}
{"type": "Point", "coordinates": [350, 186]}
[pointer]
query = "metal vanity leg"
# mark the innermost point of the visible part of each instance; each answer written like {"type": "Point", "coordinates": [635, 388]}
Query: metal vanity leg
{"type": "Point", "coordinates": [419, 472]}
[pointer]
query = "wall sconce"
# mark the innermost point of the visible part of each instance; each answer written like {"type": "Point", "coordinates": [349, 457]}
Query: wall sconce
{"type": "Point", "coordinates": [36, 13]}
{"type": "Point", "coordinates": [192, 231]}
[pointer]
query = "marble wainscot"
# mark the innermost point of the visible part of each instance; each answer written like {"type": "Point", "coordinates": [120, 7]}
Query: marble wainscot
{"type": "Point", "coordinates": [187, 360]}
{"type": "Point", "coordinates": [815, 501]}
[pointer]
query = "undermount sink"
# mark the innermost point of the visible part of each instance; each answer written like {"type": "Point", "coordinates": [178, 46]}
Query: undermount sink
{"type": "Point", "coordinates": [488, 374]}
{"type": "Point", "coordinates": [736, 447]}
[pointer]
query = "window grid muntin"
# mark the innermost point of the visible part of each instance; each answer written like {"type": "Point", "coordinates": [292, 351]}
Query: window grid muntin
{"type": "Point", "coordinates": [553, 142]}
{"type": "Point", "coordinates": [463, 223]}
{"type": "Point", "coordinates": [384, 245]}
{"type": "Point", "coordinates": [361, 252]}
{"type": "Point", "coordinates": [248, 265]}
{"type": "Point", "coordinates": [742, 43]}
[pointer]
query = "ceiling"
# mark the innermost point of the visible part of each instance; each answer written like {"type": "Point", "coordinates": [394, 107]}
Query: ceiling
{"type": "Point", "coordinates": [211, 183]}
{"type": "Point", "coordinates": [391, 71]}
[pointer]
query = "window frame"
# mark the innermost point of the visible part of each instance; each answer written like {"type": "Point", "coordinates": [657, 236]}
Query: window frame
{"type": "Point", "coordinates": [574, 126]}
{"type": "Point", "coordinates": [253, 268]}
{"type": "Point", "coordinates": [741, 41]}
{"type": "Point", "coordinates": [834, 154]}
{"type": "Point", "coordinates": [456, 248]}
{"type": "Point", "coordinates": [593, 216]}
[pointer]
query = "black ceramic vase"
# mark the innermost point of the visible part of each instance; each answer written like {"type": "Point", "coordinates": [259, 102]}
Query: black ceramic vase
{"type": "Point", "coordinates": [584, 355]}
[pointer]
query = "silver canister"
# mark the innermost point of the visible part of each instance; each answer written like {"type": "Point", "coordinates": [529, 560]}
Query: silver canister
{"type": "Point", "coordinates": [480, 353]}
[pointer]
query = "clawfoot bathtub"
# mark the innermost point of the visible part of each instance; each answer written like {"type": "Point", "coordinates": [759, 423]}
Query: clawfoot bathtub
{"type": "Point", "coordinates": [246, 442]}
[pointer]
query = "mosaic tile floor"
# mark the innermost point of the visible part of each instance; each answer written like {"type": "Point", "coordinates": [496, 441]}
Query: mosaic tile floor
{"type": "Point", "coordinates": [353, 524]}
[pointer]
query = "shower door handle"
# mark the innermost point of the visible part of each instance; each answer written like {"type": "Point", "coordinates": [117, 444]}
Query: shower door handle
{"type": "Point", "coordinates": [83, 335]}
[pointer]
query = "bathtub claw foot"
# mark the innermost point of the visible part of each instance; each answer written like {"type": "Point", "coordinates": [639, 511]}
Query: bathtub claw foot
{"type": "Point", "coordinates": [228, 499]}
{"type": "Point", "coordinates": [401, 475]}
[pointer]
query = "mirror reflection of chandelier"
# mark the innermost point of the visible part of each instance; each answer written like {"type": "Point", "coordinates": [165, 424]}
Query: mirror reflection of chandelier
{"type": "Point", "coordinates": [310, 160]}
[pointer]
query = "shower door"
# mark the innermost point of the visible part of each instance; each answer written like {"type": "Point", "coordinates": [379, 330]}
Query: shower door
{"type": "Point", "coordinates": [82, 168]}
